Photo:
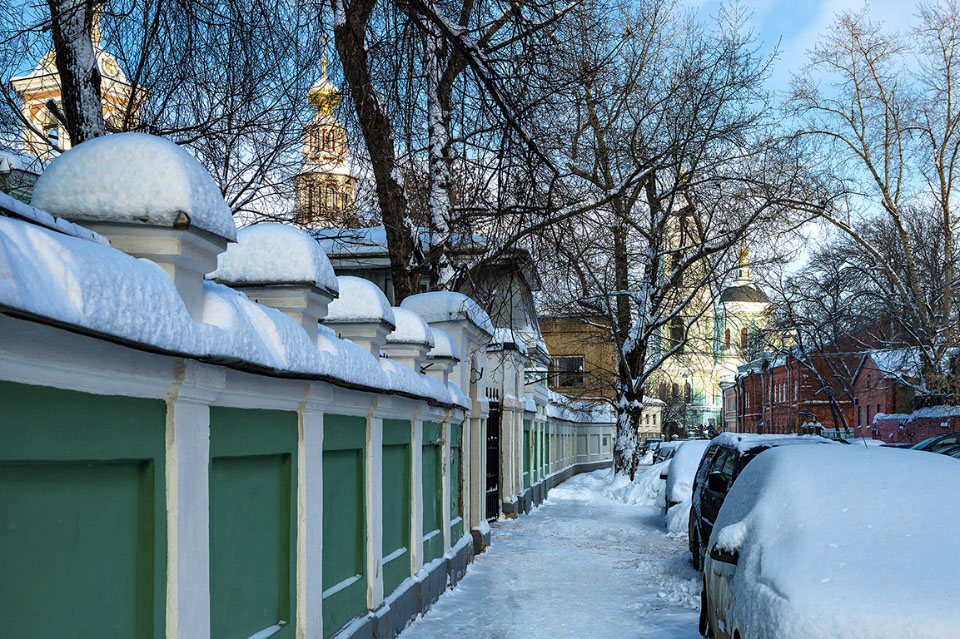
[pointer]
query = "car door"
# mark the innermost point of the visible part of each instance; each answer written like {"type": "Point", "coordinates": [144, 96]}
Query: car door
{"type": "Point", "coordinates": [723, 464]}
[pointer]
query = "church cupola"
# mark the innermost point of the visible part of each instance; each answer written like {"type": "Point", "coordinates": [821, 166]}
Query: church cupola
{"type": "Point", "coordinates": [326, 186]}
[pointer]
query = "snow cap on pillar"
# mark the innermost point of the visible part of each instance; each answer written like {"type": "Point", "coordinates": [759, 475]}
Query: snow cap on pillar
{"type": "Point", "coordinates": [447, 306]}
{"type": "Point", "coordinates": [443, 356]}
{"type": "Point", "coordinates": [134, 178]}
{"type": "Point", "coordinates": [150, 198]}
{"type": "Point", "coordinates": [409, 342]}
{"type": "Point", "coordinates": [282, 267]}
{"type": "Point", "coordinates": [361, 314]}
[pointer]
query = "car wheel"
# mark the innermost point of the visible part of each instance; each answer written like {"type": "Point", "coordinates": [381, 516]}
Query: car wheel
{"type": "Point", "coordinates": [696, 551]}
{"type": "Point", "coordinates": [705, 630]}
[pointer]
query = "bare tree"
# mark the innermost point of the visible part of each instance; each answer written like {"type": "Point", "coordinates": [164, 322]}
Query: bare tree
{"type": "Point", "coordinates": [681, 104]}
{"type": "Point", "coordinates": [882, 122]}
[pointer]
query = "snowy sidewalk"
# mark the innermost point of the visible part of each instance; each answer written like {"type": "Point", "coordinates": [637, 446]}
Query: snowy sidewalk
{"type": "Point", "coordinates": [582, 565]}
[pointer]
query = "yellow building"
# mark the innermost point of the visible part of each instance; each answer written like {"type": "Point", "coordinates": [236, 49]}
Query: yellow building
{"type": "Point", "coordinates": [41, 85]}
{"type": "Point", "coordinates": [326, 186]}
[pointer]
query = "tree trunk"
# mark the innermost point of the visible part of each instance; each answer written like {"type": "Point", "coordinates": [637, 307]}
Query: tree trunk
{"type": "Point", "coordinates": [378, 135]}
{"type": "Point", "coordinates": [77, 66]}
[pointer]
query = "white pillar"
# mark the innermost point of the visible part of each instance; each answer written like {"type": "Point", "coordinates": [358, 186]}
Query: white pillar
{"type": "Point", "coordinates": [445, 464]}
{"type": "Point", "coordinates": [478, 474]}
{"type": "Point", "coordinates": [416, 503]}
{"type": "Point", "coordinates": [310, 523]}
{"type": "Point", "coordinates": [374, 509]}
{"type": "Point", "coordinates": [188, 518]}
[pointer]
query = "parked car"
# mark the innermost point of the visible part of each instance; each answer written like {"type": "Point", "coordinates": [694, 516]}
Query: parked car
{"type": "Point", "coordinates": [649, 444]}
{"type": "Point", "coordinates": [664, 451]}
{"type": "Point", "coordinates": [720, 465]}
{"type": "Point", "coordinates": [836, 541]}
{"type": "Point", "coordinates": [953, 451]}
{"type": "Point", "coordinates": [895, 446]}
{"type": "Point", "coordinates": [938, 442]}
{"type": "Point", "coordinates": [682, 470]}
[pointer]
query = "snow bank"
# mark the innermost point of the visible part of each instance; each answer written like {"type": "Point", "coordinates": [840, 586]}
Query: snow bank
{"type": "Point", "coordinates": [810, 522]}
{"type": "Point", "coordinates": [275, 254]}
{"type": "Point", "coordinates": [646, 489]}
{"type": "Point", "coordinates": [683, 467]}
{"type": "Point", "coordinates": [133, 178]}
{"type": "Point", "coordinates": [678, 518]}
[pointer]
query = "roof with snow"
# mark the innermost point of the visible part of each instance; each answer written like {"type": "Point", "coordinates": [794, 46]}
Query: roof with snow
{"type": "Point", "coordinates": [133, 178]}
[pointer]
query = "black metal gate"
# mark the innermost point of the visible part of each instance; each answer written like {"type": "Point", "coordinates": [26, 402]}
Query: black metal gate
{"type": "Point", "coordinates": [493, 456]}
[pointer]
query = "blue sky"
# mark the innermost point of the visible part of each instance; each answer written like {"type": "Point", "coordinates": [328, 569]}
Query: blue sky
{"type": "Point", "coordinates": [796, 23]}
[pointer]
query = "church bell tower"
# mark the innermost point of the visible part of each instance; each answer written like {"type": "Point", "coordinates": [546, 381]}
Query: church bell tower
{"type": "Point", "coordinates": [326, 186]}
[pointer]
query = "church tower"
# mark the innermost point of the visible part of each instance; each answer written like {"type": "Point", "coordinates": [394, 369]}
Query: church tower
{"type": "Point", "coordinates": [326, 187]}
{"type": "Point", "coordinates": [745, 312]}
{"type": "Point", "coordinates": [37, 88]}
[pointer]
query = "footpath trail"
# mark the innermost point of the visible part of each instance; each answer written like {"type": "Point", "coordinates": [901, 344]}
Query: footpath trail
{"type": "Point", "coordinates": [582, 565]}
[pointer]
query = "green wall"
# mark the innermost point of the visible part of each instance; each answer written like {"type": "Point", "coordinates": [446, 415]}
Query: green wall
{"type": "Point", "coordinates": [344, 522]}
{"type": "Point", "coordinates": [432, 474]}
{"type": "Point", "coordinates": [253, 496]}
{"type": "Point", "coordinates": [82, 514]}
{"type": "Point", "coordinates": [397, 489]}
{"type": "Point", "coordinates": [456, 481]}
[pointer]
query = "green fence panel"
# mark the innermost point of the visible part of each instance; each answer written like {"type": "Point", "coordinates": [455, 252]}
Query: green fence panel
{"type": "Point", "coordinates": [432, 474]}
{"type": "Point", "coordinates": [547, 443]}
{"type": "Point", "coordinates": [456, 482]}
{"type": "Point", "coordinates": [344, 521]}
{"type": "Point", "coordinates": [82, 514]}
{"type": "Point", "coordinates": [397, 489]}
{"type": "Point", "coordinates": [526, 453]}
{"type": "Point", "coordinates": [253, 526]}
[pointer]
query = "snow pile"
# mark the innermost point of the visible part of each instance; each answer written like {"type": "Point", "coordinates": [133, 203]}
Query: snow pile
{"type": "Point", "coordinates": [15, 208]}
{"type": "Point", "coordinates": [447, 306]}
{"type": "Point", "coordinates": [646, 489]}
{"type": "Point", "coordinates": [677, 582]}
{"type": "Point", "coordinates": [275, 254]}
{"type": "Point", "coordinates": [678, 518]}
{"type": "Point", "coordinates": [133, 178]}
{"type": "Point", "coordinates": [810, 522]}
{"type": "Point", "coordinates": [411, 329]}
{"type": "Point", "coordinates": [359, 301]}
{"type": "Point", "coordinates": [683, 468]}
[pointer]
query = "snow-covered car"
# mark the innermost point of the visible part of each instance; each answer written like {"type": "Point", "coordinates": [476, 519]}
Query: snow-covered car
{"type": "Point", "coordinates": [836, 541]}
{"type": "Point", "coordinates": [682, 469]}
{"type": "Point", "coordinates": [720, 466]}
{"type": "Point", "coordinates": [953, 451]}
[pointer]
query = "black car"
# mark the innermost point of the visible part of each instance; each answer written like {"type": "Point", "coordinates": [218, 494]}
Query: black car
{"type": "Point", "coordinates": [938, 442]}
{"type": "Point", "coordinates": [720, 466]}
{"type": "Point", "coordinates": [952, 451]}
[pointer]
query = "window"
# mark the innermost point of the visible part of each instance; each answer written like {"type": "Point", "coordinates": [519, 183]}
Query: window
{"type": "Point", "coordinates": [568, 371]}
{"type": "Point", "coordinates": [676, 332]}
{"type": "Point", "coordinates": [744, 337]}
{"type": "Point", "coordinates": [726, 338]}
{"type": "Point", "coordinates": [686, 392]}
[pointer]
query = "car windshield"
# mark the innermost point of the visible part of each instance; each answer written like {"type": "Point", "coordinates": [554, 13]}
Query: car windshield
{"type": "Point", "coordinates": [926, 442]}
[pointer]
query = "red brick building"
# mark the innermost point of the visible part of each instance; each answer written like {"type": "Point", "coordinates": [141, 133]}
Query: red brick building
{"type": "Point", "coordinates": [886, 402]}
{"type": "Point", "coordinates": [779, 394]}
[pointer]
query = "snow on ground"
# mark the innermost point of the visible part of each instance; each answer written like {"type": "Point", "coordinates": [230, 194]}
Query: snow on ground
{"type": "Point", "coordinates": [583, 565]}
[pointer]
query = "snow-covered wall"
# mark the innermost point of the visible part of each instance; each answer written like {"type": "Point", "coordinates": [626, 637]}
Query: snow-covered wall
{"type": "Point", "coordinates": [88, 331]}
